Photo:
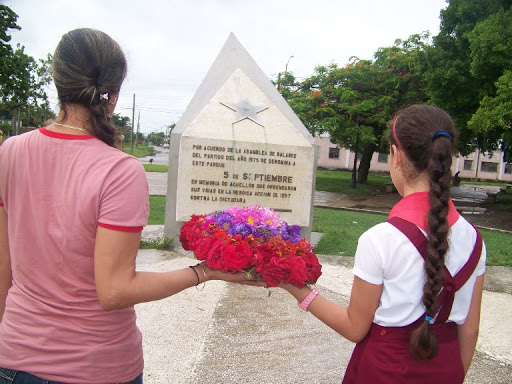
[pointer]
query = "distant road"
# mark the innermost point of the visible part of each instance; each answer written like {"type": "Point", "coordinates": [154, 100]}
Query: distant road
{"type": "Point", "coordinates": [161, 157]}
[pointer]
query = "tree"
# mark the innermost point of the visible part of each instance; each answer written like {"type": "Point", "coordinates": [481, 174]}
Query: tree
{"type": "Point", "coordinates": [157, 138]}
{"type": "Point", "coordinates": [124, 125]}
{"type": "Point", "coordinates": [493, 119]}
{"type": "Point", "coordinates": [354, 103]}
{"type": "Point", "coordinates": [22, 79]}
{"type": "Point", "coordinates": [491, 61]}
{"type": "Point", "coordinates": [454, 70]}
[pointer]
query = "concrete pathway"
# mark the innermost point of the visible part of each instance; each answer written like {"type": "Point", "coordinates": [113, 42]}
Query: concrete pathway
{"type": "Point", "coordinates": [229, 334]}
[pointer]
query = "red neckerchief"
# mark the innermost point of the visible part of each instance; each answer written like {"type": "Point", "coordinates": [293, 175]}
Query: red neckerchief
{"type": "Point", "coordinates": [414, 208]}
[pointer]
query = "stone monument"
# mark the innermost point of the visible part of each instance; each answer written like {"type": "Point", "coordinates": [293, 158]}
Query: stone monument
{"type": "Point", "coordinates": [239, 143]}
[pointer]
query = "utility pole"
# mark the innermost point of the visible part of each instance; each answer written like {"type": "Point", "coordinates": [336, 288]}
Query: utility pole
{"type": "Point", "coordinates": [137, 135]}
{"type": "Point", "coordinates": [284, 73]}
{"type": "Point", "coordinates": [133, 120]}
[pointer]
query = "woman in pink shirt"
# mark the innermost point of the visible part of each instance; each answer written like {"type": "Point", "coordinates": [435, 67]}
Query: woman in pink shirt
{"type": "Point", "coordinates": [72, 208]}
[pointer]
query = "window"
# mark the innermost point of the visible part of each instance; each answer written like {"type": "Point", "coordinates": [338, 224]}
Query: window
{"type": "Point", "coordinates": [359, 156]}
{"type": "Point", "coordinates": [508, 168]}
{"type": "Point", "coordinates": [334, 153]}
{"type": "Point", "coordinates": [487, 166]}
{"type": "Point", "coordinates": [383, 158]}
{"type": "Point", "coordinates": [468, 165]}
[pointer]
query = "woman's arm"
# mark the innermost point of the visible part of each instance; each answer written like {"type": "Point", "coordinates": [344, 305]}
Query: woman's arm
{"type": "Point", "coordinates": [352, 322]}
{"type": "Point", "coordinates": [120, 286]}
{"type": "Point", "coordinates": [467, 333]}
{"type": "Point", "coordinates": [5, 261]}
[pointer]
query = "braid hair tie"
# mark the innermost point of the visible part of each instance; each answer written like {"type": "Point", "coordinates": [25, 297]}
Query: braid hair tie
{"type": "Point", "coordinates": [439, 134]}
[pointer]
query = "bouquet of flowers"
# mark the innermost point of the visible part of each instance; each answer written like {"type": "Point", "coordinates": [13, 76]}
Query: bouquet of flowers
{"type": "Point", "coordinates": [252, 239]}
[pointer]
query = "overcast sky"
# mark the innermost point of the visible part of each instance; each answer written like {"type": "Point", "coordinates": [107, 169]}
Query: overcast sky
{"type": "Point", "coordinates": [170, 45]}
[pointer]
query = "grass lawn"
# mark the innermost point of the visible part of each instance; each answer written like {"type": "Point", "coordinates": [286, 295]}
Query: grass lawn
{"type": "Point", "coordinates": [155, 168]}
{"type": "Point", "coordinates": [499, 247]}
{"type": "Point", "coordinates": [342, 230]}
{"type": "Point", "coordinates": [504, 201]}
{"type": "Point", "coordinates": [339, 181]}
{"type": "Point", "coordinates": [156, 210]}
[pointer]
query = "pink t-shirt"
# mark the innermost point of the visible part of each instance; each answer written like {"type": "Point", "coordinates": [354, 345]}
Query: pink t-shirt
{"type": "Point", "coordinates": [57, 189]}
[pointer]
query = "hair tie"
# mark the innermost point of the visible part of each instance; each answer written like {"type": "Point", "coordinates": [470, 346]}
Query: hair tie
{"type": "Point", "coordinates": [441, 134]}
{"type": "Point", "coordinates": [395, 136]}
{"type": "Point", "coordinates": [428, 318]}
{"type": "Point", "coordinates": [104, 96]}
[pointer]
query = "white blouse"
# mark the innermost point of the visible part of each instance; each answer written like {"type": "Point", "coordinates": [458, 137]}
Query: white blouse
{"type": "Point", "coordinates": [385, 256]}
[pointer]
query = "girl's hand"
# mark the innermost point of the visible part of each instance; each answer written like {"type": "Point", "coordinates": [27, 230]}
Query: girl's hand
{"type": "Point", "coordinates": [238, 277]}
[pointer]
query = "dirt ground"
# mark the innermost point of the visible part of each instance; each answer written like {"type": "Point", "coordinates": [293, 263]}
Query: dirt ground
{"type": "Point", "coordinates": [492, 218]}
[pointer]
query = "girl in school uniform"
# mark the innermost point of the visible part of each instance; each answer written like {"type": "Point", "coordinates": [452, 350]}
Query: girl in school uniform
{"type": "Point", "coordinates": [414, 310]}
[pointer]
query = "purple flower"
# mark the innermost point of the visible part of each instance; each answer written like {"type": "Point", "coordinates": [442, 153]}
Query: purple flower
{"type": "Point", "coordinates": [241, 229]}
{"type": "Point", "coordinates": [291, 233]}
{"type": "Point", "coordinates": [222, 218]}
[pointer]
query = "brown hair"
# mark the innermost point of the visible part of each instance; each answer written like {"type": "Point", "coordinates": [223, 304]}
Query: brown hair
{"type": "Point", "coordinates": [415, 127]}
{"type": "Point", "coordinates": [87, 63]}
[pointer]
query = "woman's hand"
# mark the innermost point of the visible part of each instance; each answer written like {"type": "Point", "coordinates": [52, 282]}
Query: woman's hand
{"type": "Point", "coordinates": [206, 273]}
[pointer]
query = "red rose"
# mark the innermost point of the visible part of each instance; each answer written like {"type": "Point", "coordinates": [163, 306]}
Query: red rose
{"type": "Point", "coordinates": [297, 272]}
{"type": "Point", "coordinates": [191, 232]}
{"type": "Point", "coordinates": [202, 247]}
{"type": "Point", "coordinates": [217, 255]}
{"type": "Point", "coordinates": [286, 269]}
{"type": "Point", "coordinates": [238, 257]}
{"type": "Point", "coordinates": [264, 253]}
{"type": "Point", "coordinates": [313, 267]}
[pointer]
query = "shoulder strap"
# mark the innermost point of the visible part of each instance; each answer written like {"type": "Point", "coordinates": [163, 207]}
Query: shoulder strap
{"type": "Point", "coordinates": [412, 232]}
{"type": "Point", "coordinates": [450, 284]}
{"type": "Point", "coordinates": [453, 284]}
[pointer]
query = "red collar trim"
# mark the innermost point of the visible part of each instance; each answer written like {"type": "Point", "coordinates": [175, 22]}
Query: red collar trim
{"type": "Point", "coordinates": [65, 136]}
{"type": "Point", "coordinates": [414, 208]}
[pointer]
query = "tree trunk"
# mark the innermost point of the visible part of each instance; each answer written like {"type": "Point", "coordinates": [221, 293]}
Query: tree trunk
{"type": "Point", "coordinates": [364, 164]}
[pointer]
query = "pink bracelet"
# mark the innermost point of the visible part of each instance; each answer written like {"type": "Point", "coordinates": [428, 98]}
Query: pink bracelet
{"type": "Point", "coordinates": [304, 304]}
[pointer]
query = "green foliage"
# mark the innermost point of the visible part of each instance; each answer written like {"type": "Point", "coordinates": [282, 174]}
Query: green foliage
{"type": "Point", "coordinates": [124, 125]}
{"type": "Point", "coordinates": [6, 129]}
{"type": "Point", "coordinates": [354, 103]}
{"type": "Point", "coordinates": [141, 150]}
{"type": "Point", "coordinates": [491, 49]}
{"type": "Point", "coordinates": [470, 53]}
{"type": "Point", "coordinates": [22, 78]}
{"type": "Point", "coordinates": [157, 138]}
{"type": "Point", "coordinates": [493, 119]}
{"type": "Point", "coordinates": [163, 243]}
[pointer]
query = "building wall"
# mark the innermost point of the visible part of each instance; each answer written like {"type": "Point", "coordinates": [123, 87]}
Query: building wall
{"type": "Point", "coordinates": [489, 168]}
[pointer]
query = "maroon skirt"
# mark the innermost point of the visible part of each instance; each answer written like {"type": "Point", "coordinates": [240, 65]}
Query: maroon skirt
{"type": "Point", "coordinates": [384, 357]}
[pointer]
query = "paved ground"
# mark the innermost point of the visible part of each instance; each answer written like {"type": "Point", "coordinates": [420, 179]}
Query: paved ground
{"type": "Point", "coordinates": [231, 334]}
{"type": "Point", "coordinates": [234, 334]}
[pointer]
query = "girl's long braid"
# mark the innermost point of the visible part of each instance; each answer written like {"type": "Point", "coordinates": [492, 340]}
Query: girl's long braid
{"type": "Point", "coordinates": [415, 128]}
